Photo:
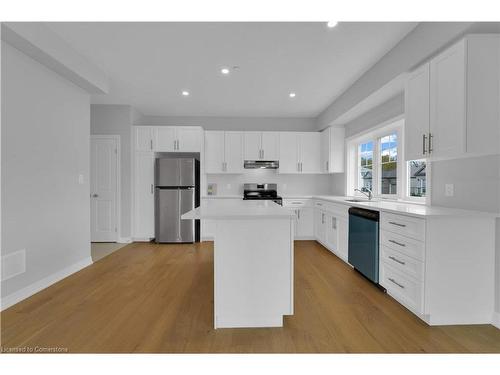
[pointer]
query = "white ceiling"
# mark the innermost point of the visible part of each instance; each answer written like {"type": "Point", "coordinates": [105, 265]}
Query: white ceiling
{"type": "Point", "coordinates": [150, 64]}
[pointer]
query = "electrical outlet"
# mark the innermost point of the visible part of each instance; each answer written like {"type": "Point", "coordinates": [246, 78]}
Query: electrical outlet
{"type": "Point", "coordinates": [449, 190]}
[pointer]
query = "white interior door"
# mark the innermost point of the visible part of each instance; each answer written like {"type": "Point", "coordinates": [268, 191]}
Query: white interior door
{"type": "Point", "coordinates": [103, 190]}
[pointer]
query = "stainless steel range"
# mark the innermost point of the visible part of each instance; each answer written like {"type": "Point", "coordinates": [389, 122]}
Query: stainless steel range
{"type": "Point", "coordinates": [262, 192]}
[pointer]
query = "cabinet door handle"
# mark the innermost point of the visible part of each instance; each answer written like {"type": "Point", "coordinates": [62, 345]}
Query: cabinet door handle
{"type": "Point", "coordinates": [334, 222]}
{"type": "Point", "coordinates": [397, 224]}
{"type": "Point", "coordinates": [424, 139]}
{"type": "Point", "coordinates": [398, 243]}
{"type": "Point", "coordinates": [430, 143]}
{"type": "Point", "coordinates": [298, 214]}
{"type": "Point", "coordinates": [152, 188]}
{"type": "Point", "coordinates": [327, 166]}
{"type": "Point", "coordinates": [397, 260]}
{"type": "Point", "coordinates": [150, 144]}
{"type": "Point", "coordinates": [262, 154]}
{"type": "Point", "coordinates": [298, 167]}
{"type": "Point", "coordinates": [322, 218]}
{"type": "Point", "coordinates": [395, 282]}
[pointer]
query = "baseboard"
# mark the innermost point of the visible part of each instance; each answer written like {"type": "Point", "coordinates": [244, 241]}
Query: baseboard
{"type": "Point", "coordinates": [124, 240]}
{"type": "Point", "coordinates": [36, 287]}
{"type": "Point", "coordinates": [496, 320]}
{"type": "Point", "coordinates": [207, 238]}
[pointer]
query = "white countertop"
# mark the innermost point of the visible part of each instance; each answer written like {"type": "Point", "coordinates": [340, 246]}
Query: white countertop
{"type": "Point", "coordinates": [223, 209]}
{"type": "Point", "coordinates": [405, 208]}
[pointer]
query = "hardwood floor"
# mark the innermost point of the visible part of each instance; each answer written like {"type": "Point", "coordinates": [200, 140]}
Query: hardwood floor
{"type": "Point", "coordinates": [159, 299]}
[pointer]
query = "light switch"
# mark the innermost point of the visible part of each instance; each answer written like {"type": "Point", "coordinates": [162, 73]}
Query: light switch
{"type": "Point", "coordinates": [449, 190]}
{"type": "Point", "coordinates": [81, 180]}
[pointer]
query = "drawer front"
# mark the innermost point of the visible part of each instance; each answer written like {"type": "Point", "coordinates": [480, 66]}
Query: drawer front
{"type": "Point", "coordinates": [403, 289]}
{"type": "Point", "coordinates": [296, 202]}
{"type": "Point", "coordinates": [337, 209]}
{"type": "Point", "coordinates": [405, 245]}
{"type": "Point", "coordinates": [408, 266]}
{"type": "Point", "coordinates": [404, 225]}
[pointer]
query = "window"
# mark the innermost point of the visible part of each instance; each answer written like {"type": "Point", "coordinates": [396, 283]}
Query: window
{"type": "Point", "coordinates": [417, 180]}
{"type": "Point", "coordinates": [365, 167]}
{"type": "Point", "coordinates": [388, 164]}
{"type": "Point", "coordinates": [376, 161]}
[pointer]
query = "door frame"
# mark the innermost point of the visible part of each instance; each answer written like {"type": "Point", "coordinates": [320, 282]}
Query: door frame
{"type": "Point", "coordinates": [118, 203]}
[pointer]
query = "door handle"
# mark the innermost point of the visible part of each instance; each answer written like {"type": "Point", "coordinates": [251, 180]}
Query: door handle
{"type": "Point", "coordinates": [95, 195]}
{"type": "Point", "coordinates": [397, 224]}
{"type": "Point", "coordinates": [152, 188]}
{"type": "Point", "coordinates": [424, 138]}
{"type": "Point", "coordinates": [430, 143]}
{"type": "Point", "coordinates": [327, 166]}
{"type": "Point", "coordinates": [262, 154]}
{"type": "Point", "coordinates": [298, 166]}
{"type": "Point", "coordinates": [150, 144]}
{"type": "Point", "coordinates": [298, 214]}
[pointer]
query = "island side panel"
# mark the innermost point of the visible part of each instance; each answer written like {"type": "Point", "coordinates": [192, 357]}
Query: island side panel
{"type": "Point", "coordinates": [253, 272]}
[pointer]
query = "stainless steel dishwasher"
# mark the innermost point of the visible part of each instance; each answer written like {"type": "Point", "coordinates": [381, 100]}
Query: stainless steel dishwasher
{"type": "Point", "coordinates": [363, 253]}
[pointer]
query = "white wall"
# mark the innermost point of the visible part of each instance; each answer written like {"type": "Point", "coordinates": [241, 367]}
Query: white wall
{"type": "Point", "coordinates": [117, 120]}
{"type": "Point", "coordinates": [288, 185]}
{"type": "Point", "coordinates": [45, 146]}
{"type": "Point", "coordinates": [233, 123]}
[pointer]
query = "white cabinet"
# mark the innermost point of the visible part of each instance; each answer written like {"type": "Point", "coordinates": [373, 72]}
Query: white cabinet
{"type": "Point", "coordinates": [417, 118]}
{"type": "Point", "coordinates": [261, 145]}
{"type": "Point", "coordinates": [214, 152]}
{"type": "Point", "coordinates": [451, 102]}
{"type": "Point", "coordinates": [143, 195]}
{"type": "Point", "coordinates": [189, 138]}
{"type": "Point", "coordinates": [304, 217]}
{"type": "Point", "coordinates": [224, 152]}
{"type": "Point", "coordinates": [168, 138]}
{"type": "Point", "coordinates": [310, 152]}
{"type": "Point", "coordinates": [320, 225]}
{"type": "Point", "coordinates": [440, 268]}
{"type": "Point", "coordinates": [300, 152]}
{"type": "Point", "coordinates": [145, 138]}
{"type": "Point", "coordinates": [289, 152]}
{"type": "Point", "coordinates": [332, 227]}
{"type": "Point", "coordinates": [179, 139]}
{"type": "Point", "coordinates": [447, 102]}
{"type": "Point", "coordinates": [332, 150]}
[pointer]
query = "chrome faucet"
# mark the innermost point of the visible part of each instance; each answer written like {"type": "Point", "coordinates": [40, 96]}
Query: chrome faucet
{"type": "Point", "coordinates": [366, 192]}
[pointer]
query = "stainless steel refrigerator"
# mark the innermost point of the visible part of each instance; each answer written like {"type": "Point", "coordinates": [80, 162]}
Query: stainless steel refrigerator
{"type": "Point", "coordinates": [177, 191]}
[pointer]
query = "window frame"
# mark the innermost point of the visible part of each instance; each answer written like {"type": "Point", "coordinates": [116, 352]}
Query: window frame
{"type": "Point", "coordinates": [395, 125]}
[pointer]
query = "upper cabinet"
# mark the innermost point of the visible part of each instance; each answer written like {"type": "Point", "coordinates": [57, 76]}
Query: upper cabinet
{"type": "Point", "coordinates": [145, 138]}
{"type": "Point", "coordinates": [300, 152]}
{"type": "Point", "coordinates": [168, 138]}
{"type": "Point", "coordinates": [332, 150]}
{"type": "Point", "coordinates": [179, 138]}
{"type": "Point", "coordinates": [261, 145]}
{"type": "Point", "coordinates": [224, 152]}
{"type": "Point", "coordinates": [451, 102]}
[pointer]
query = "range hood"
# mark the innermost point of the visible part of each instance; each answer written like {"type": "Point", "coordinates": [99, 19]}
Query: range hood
{"type": "Point", "coordinates": [261, 164]}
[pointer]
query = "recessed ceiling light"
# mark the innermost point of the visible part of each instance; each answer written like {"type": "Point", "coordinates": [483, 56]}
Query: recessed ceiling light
{"type": "Point", "coordinates": [331, 24]}
{"type": "Point", "coordinates": [224, 71]}
{"type": "Point", "coordinates": [185, 93]}
{"type": "Point", "coordinates": [291, 95]}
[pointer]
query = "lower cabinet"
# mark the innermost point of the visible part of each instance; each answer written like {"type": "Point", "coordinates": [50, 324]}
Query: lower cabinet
{"type": "Point", "coordinates": [143, 196]}
{"type": "Point", "coordinates": [331, 227]}
{"type": "Point", "coordinates": [439, 267]}
{"type": "Point", "coordinates": [304, 217]}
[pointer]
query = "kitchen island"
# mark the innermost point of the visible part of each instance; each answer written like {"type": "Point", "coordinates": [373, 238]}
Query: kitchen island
{"type": "Point", "coordinates": [253, 261]}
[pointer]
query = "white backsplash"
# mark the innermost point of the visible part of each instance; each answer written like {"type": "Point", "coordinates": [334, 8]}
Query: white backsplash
{"type": "Point", "coordinates": [288, 184]}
